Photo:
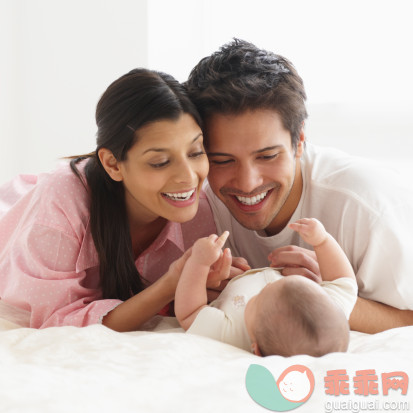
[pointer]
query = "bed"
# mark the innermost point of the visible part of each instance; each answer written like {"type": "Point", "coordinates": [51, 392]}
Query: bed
{"type": "Point", "coordinates": [95, 369]}
{"type": "Point", "coordinates": [162, 369]}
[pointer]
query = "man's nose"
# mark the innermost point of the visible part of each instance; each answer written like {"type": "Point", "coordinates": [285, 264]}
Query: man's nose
{"type": "Point", "coordinates": [248, 178]}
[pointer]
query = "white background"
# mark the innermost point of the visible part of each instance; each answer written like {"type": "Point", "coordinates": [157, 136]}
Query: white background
{"type": "Point", "coordinates": [57, 57]}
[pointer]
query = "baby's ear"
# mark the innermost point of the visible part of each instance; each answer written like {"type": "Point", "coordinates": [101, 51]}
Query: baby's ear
{"type": "Point", "coordinates": [255, 349]}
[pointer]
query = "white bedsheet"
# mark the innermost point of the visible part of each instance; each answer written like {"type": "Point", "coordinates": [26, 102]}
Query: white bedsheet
{"type": "Point", "coordinates": [95, 369]}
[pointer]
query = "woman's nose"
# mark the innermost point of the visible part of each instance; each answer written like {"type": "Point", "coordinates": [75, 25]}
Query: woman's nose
{"type": "Point", "coordinates": [185, 173]}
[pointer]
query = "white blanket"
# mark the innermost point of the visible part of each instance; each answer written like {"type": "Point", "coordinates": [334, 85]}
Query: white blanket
{"type": "Point", "coordinates": [94, 369]}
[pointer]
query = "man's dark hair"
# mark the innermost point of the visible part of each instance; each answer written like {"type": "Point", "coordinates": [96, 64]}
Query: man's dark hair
{"type": "Point", "coordinates": [241, 77]}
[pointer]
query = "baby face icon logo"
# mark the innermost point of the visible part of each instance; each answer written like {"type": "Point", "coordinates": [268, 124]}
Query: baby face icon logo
{"type": "Point", "coordinates": [293, 388]}
{"type": "Point", "coordinates": [296, 383]}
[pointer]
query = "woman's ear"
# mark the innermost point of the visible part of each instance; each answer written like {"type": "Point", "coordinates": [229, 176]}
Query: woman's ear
{"type": "Point", "coordinates": [110, 163]}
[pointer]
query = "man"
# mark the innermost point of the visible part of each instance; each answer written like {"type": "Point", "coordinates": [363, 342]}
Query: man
{"type": "Point", "coordinates": [264, 175]}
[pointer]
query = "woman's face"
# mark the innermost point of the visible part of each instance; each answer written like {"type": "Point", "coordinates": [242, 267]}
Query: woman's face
{"type": "Point", "coordinates": [164, 171]}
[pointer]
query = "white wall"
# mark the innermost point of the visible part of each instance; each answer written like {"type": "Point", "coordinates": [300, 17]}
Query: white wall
{"type": "Point", "coordinates": [354, 56]}
{"type": "Point", "coordinates": [57, 57]}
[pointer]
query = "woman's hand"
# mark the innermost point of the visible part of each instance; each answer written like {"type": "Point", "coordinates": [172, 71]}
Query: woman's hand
{"type": "Point", "coordinates": [175, 271]}
{"type": "Point", "coordinates": [222, 271]}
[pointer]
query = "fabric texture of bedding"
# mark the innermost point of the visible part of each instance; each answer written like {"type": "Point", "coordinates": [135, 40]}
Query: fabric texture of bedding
{"type": "Point", "coordinates": [94, 369]}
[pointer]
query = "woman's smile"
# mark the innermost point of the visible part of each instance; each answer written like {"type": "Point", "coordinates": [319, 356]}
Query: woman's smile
{"type": "Point", "coordinates": [181, 199]}
{"type": "Point", "coordinates": [164, 171]}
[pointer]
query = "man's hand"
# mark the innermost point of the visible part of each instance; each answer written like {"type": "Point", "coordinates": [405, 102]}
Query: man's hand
{"type": "Point", "coordinates": [295, 260]}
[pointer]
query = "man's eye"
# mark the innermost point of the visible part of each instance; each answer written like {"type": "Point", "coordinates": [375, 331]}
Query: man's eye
{"type": "Point", "coordinates": [268, 157]}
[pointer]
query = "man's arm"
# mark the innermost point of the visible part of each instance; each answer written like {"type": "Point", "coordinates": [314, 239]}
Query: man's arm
{"type": "Point", "coordinates": [372, 317]}
{"type": "Point", "coordinates": [367, 316]}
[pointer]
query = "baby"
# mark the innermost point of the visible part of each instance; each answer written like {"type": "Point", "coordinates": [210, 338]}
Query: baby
{"type": "Point", "coordinates": [265, 312]}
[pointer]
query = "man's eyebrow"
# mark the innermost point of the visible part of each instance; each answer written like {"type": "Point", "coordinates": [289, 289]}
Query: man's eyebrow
{"type": "Point", "coordinates": [268, 148]}
{"type": "Point", "coordinates": [166, 149]}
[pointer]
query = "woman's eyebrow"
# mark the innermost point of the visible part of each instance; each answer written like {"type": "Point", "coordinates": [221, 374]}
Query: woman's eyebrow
{"type": "Point", "coordinates": [200, 134]}
{"type": "Point", "coordinates": [166, 149]}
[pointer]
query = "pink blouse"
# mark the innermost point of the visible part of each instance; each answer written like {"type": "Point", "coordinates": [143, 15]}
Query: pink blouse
{"type": "Point", "coordinates": [48, 261]}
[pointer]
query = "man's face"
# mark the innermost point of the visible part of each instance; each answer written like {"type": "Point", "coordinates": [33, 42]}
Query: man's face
{"type": "Point", "coordinates": [254, 169]}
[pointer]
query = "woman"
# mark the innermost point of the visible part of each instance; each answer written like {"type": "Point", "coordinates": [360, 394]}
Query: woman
{"type": "Point", "coordinates": [93, 241]}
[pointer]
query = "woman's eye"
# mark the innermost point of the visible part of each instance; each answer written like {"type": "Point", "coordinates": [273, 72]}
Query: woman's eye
{"type": "Point", "coordinates": [197, 154]}
{"type": "Point", "coordinates": [159, 165]}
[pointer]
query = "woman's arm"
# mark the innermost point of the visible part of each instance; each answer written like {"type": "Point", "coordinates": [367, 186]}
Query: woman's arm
{"type": "Point", "coordinates": [191, 293]}
{"type": "Point", "coordinates": [132, 313]}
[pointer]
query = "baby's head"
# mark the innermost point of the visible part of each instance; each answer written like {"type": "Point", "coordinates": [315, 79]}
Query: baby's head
{"type": "Point", "coordinates": [296, 316]}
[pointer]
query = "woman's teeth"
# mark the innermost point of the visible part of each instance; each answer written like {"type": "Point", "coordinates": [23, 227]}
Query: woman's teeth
{"type": "Point", "coordinates": [252, 200]}
{"type": "Point", "coordinates": [179, 196]}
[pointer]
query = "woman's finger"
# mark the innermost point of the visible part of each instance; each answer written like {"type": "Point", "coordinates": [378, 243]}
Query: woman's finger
{"type": "Point", "coordinates": [241, 263]}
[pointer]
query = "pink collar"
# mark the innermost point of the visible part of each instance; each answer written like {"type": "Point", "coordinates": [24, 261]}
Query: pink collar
{"type": "Point", "coordinates": [88, 256]}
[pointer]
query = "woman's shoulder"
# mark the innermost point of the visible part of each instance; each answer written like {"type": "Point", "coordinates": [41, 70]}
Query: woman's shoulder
{"type": "Point", "coordinates": [61, 198]}
{"type": "Point", "coordinates": [62, 182]}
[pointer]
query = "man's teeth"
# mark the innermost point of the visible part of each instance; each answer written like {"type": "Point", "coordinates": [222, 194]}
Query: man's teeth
{"type": "Point", "coordinates": [179, 196]}
{"type": "Point", "coordinates": [252, 200]}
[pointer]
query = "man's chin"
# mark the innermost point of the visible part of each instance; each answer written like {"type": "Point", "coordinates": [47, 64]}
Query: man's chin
{"type": "Point", "coordinates": [250, 224]}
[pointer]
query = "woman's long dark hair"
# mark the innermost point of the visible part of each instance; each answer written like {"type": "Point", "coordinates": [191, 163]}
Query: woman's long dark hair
{"type": "Point", "coordinates": [134, 100]}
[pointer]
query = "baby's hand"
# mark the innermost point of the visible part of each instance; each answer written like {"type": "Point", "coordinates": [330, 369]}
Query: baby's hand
{"type": "Point", "coordinates": [207, 250]}
{"type": "Point", "coordinates": [311, 231]}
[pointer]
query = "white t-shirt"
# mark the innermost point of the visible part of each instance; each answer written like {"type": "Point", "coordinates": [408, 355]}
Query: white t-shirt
{"type": "Point", "coordinates": [368, 209]}
{"type": "Point", "coordinates": [223, 319]}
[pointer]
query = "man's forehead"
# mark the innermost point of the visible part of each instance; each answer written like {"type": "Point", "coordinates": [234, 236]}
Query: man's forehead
{"type": "Point", "coordinates": [254, 130]}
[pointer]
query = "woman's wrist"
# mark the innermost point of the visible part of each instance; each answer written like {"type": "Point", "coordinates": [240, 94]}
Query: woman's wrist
{"type": "Point", "coordinates": [168, 284]}
{"type": "Point", "coordinates": [132, 313]}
